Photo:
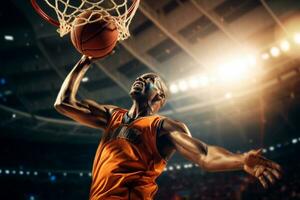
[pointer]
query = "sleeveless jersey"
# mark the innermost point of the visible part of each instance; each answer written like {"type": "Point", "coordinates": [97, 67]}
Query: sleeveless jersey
{"type": "Point", "coordinates": [127, 161]}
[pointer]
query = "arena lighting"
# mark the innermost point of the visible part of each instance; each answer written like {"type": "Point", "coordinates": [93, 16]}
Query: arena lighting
{"type": "Point", "coordinates": [28, 173]}
{"type": "Point", "coordinates": [13, 171]}
{"type": "Point", "coordinates": [65, 174]}
{"type": "Point", "coordinates": [0, 171]}
{"type": "Point", "coordinates": [193, 82]}
{"type": "Point", "coordinates": [264, 150]}
{"type": "Point", "coordinates": [13, 115]}
{"type": "Point", "coordinates": [278, 145]}
{"type": "Point", "coordinates": [250, 60]}
{"type": "Point", "coordinates": [275, 51]}
{"type": "Point", "coordinates": [90, 174]}
{"type": "Point", "coordinates": [228, 95]}
{"type": "Point", "coordinates": [21, 172]}
{"type": "Point", "coordinates": [9, 37]}
{"type": "Point", "coordinates": [178, 167]}
{"type": "Point", "coordinates": [284, 45]}
{"type": "Point", "coordinates": [297, 38]}
{"type": "Point", "coordinates": [203, 81]}
{"type": "Point", "coordinates": [85, 79]}
{"type": "Point", "coordinates": [81, 174]}
{"type": "Point", "coordinates": [236, 69]}
{"type": "Point", "coordinates": [294, 141]}
{"type": "Point", "coordinates": [7, 171]}
{"type": "Point", "coordinates": [173, 88]}
{"type": "Point", "coordinates": [183, 86]}
{"type": "Point", "coordinates": [171, 168]}
{"type": "Point", "coordinates": [2, 81]}
{"type": "Point", "coordinates": [271, 148]}
{"type": "Point", "coordinates": [35, 173]}
{"type": "Point", "coordinates": [52, 178]}
{"type": "Point", "coordinates": [265, 56]}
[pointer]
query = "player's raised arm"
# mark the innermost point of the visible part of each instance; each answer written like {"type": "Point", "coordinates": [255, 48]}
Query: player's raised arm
{"type": "Point", "coordinates": [86, 112]}
{"type": "Point", "coordinates": [213, 158]}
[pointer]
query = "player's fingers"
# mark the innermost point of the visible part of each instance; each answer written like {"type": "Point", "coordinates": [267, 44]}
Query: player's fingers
{"type": "Point", "coordinates": [269, 176]}
{"type": "Point", "coordinates": [263, 181]}
{"type": "Point", "coordinates": [274, 165]}
{"type": "Point", "coordinates": [275, 173]}
{"type": "Point", "coordinates": [258, 151]}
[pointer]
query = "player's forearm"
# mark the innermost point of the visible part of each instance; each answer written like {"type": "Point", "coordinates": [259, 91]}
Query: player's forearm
{"type": "Point", "coordinates": [219, 159]}
{"type": "Point", "coordinates": [69, 88]}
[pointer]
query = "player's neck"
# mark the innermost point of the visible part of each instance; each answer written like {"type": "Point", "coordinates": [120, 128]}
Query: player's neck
{"type": "Point", "coordinates": [139, 109]}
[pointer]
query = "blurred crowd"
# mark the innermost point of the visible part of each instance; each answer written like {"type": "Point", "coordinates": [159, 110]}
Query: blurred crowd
{"type": "Point", "coordinates": [177, 184]}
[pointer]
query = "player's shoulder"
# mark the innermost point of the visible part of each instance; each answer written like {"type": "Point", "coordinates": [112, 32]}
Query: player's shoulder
{"type": "Point", "coordinates": [172, 125]}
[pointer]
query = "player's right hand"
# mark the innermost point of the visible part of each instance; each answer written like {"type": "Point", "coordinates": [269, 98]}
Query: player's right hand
{"type": "Point", "coordinates": [266, 171]}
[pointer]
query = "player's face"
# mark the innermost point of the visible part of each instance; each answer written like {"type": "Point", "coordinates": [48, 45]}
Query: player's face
{"type": "Point", "coordinates": [147, 88]}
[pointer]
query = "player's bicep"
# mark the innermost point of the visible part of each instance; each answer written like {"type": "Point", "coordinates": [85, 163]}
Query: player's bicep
{"type": "Point", "coordinates": [179, 135]}
{"type": "Point", "coordinates": [87, 112]}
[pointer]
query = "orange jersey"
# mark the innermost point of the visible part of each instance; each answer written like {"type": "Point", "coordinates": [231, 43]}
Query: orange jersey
{"type": "Point", "coordinates": [127, 161]}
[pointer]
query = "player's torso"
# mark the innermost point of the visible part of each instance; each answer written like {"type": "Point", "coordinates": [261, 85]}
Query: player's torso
{"type": "Point", "coordinates": [127, 157]}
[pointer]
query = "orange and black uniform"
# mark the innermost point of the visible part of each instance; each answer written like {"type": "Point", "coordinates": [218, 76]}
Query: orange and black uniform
{"type": "Point", "coordinates": [127, 161]}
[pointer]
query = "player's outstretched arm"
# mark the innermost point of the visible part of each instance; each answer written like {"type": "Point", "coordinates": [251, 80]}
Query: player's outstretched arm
{"type": "Point", "coordinates": [213, 158]}
{"type": "Point", "coordinates": [86, 112]}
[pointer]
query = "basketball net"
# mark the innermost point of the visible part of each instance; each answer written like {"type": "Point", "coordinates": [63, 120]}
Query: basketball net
{"type": "Point", "coordinates": [119, 12]}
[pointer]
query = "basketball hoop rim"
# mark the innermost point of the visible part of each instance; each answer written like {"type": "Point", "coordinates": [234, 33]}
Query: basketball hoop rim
{"type": "Point", "coordinates": [54, 22]}
{"type": "Point", "coordinates": [46, 17]}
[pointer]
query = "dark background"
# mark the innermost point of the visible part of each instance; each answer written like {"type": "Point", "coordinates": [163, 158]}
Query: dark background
{"type": "Point", "coordinates": [46, 156]}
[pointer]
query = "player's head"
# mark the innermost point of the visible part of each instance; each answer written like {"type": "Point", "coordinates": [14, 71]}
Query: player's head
{"type": "Point", "coordinates": [151, 89]}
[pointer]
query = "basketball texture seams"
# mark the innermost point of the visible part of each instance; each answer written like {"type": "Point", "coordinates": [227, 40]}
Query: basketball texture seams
{"type": "Point", "coordinates": [96, 39]}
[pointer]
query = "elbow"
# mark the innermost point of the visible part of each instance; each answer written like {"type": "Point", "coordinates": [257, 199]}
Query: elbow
{"type": "Point", "coordinates": [204, 164]}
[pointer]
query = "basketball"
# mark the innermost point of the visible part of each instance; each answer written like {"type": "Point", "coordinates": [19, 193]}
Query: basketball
{"type": "Point", "coordinates": [96, 38]}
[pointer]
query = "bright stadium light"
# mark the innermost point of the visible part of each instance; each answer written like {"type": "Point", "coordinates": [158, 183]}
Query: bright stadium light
{"type": "Point", "coordinates": [250, 60]}
{"type": "Point", "coordinates": [297, 38]}
{"type": "Point", "coordinates": [174, 88]}
{"type": "Point", "coordinates": [228, 95]}
{"type": "Point", "coordinates": [203, 81]}
{"type": "Point", "coordinates": [7, 171]}
{"type": "Point", "coordinates": [9, 37]}
{"type": "Point", "coordinates": [183, 86]}
{"type": "Point", "coordinates": [193, 82]}
{"type": "Point", "coordinates": [284, 45]}
{"type": "Point", "coordinates": [233, 71]}
{"type": "Point", "coordinates": [294, 141]}
{"type": "Point", "coordinates": [265, 56]}
{"type": "Point", "coordinates": [85, 79]}
{"type": "Point", "coordinates": [264, 150]}
{"type": "Point", "coordinates": [171, 168]}
{"type": "Point", "coordinates": [271, 148]}
{"type": "Point", "coordinates": [275, 51]}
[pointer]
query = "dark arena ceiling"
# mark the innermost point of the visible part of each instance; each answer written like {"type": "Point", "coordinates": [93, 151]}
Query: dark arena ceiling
{"type": "Point", "coordinates": [195, 45]}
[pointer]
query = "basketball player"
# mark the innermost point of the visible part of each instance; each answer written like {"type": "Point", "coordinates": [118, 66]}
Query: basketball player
{"type": "Point", "coordinates": [137, 143]}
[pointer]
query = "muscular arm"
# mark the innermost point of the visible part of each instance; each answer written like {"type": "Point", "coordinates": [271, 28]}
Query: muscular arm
{"type": "Point", "coordinates": [86, 112]}
{"type": "Point", "coordinates": [209, 158]}
{"type": "Point", "coordinates": [213, 158]}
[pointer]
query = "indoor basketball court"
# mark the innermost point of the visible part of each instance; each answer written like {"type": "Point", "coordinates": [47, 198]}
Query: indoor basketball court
{"type": "Point", "coordinates": [142, 100]}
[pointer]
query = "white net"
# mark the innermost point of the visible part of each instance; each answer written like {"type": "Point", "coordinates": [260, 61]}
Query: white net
{"type": "Point", "coordinates": [119, 12]}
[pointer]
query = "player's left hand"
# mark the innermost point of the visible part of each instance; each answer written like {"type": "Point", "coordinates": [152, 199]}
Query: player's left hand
{"type": "Point", "coordinates": [263, 169]}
